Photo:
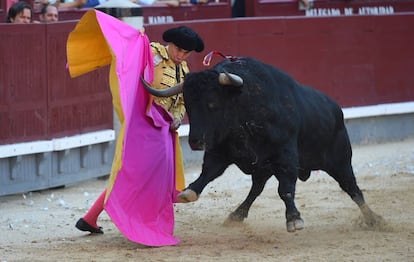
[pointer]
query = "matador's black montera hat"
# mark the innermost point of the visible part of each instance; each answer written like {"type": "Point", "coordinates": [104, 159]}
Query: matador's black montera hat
{"type": "Point", "coordinates": [185, 38]}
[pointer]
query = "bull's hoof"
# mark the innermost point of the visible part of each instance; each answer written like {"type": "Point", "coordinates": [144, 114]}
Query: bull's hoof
{"type": "Point", "coordinates": [187, 196]}
{"type": "Point", "coordinates": [236, 217]}
{"type": "Point", "coordinates": [372, 220]}
{"type": "Point", "coordinates": [294, 225]}
{"type": "Point", "coordinates": [232, 223]}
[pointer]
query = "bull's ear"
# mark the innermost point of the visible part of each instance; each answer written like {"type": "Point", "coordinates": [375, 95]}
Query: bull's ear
{"type": "Point", "coordinates": [227, 78]}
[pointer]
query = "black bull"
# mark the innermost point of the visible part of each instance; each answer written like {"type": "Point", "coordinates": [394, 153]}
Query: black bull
{"type": "Point", "coordinates": [251, 114]}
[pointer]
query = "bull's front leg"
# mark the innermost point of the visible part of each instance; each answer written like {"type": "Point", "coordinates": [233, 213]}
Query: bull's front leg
{"type": "Point", "coordinates": [286, 190]}
{"type": "Point", "coordinates": [258, 184]}
{"type": "Point", "coordinates": [213, 167]}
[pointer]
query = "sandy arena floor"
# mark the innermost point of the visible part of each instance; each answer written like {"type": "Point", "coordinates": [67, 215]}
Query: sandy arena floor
{"type": "Point", "coordinates": [39, 226]}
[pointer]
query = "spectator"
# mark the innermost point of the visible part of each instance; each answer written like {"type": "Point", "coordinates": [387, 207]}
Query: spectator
{"type": "Point", "coordinates": [19, 13]}
{"type": "Point", "coordinates": [305, 4]}
{"type": "Point", "coordinates": [238, 8]}
{"type": "Point", "coordinates": [80, 3]}
{"type": "Point", "coordinates": [93, 3]}
{"type": "Point", "coordinates": [39, 4]}
{"type": "Point", "coordinates": [49, 14]}
{"type": "Point", "coordinates": [174, 3]}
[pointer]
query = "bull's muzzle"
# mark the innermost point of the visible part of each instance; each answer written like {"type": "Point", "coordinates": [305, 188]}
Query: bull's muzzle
{"type": "Point", "coordinates": [196, 145]}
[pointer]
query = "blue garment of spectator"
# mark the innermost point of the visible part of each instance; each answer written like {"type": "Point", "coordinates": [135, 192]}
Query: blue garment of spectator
{"type": "Point", "coordinates": [92, 3]}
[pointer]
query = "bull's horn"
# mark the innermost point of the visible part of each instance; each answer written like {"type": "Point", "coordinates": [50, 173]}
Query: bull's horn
{"type": "Point", "coordinates": [163, 92]}
{"type": "Point", "coordinates": [227, 78]}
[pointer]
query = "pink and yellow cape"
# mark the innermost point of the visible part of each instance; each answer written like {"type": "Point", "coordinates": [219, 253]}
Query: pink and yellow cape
{"type": "Point", "coordinates": [147, 170]}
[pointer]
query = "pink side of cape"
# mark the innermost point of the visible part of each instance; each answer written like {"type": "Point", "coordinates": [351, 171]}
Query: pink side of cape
{"type": "Point", "coordinates": [141, 200]}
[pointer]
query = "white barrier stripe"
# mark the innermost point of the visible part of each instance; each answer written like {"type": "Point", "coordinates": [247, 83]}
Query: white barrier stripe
{"type": "Point", "coordinates": [378, 110]}
{"type": "Point", "coordinates": [64, 143]}
{"type": "Point", "coordinates": [184, 130]}
{"type": "Point", "coordinates": [57, 144]}
{"type": "Point", "coordinates": [25, 148]}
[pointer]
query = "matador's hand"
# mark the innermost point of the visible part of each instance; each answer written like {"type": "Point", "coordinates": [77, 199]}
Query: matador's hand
{"type": "Point", "coordinates": [175, 124]}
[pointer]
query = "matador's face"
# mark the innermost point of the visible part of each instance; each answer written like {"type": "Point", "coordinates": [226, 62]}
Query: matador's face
{"type": "Point", "coordinates": [177, 54]}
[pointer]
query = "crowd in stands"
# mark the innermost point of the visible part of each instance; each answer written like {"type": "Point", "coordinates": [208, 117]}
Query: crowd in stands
{"type": "Point", "coordinates": [93, 3]}
{"type": "Point", "coordinates": [21, 12]}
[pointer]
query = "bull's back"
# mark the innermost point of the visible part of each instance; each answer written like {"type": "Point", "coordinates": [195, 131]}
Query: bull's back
{"type": "Point", "coordinates": [309, 114]}
{"type": "Point", "coordinates": [318, 118]}
{"type": "Point", "coordinates": [312, 108]}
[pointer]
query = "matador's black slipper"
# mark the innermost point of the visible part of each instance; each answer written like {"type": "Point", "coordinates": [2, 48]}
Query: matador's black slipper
{"type": "Point", "coordinates": [84, 226]}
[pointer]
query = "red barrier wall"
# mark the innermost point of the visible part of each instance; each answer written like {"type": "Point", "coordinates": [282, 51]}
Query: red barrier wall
{"type": "Point", "coordinates": [357, 60]}
{"type": "Point", "coordinates": [38, 98]}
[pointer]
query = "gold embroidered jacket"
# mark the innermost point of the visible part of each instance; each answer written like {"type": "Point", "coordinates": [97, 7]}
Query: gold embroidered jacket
{"type": "Point", "coordinates": [166, 74]}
